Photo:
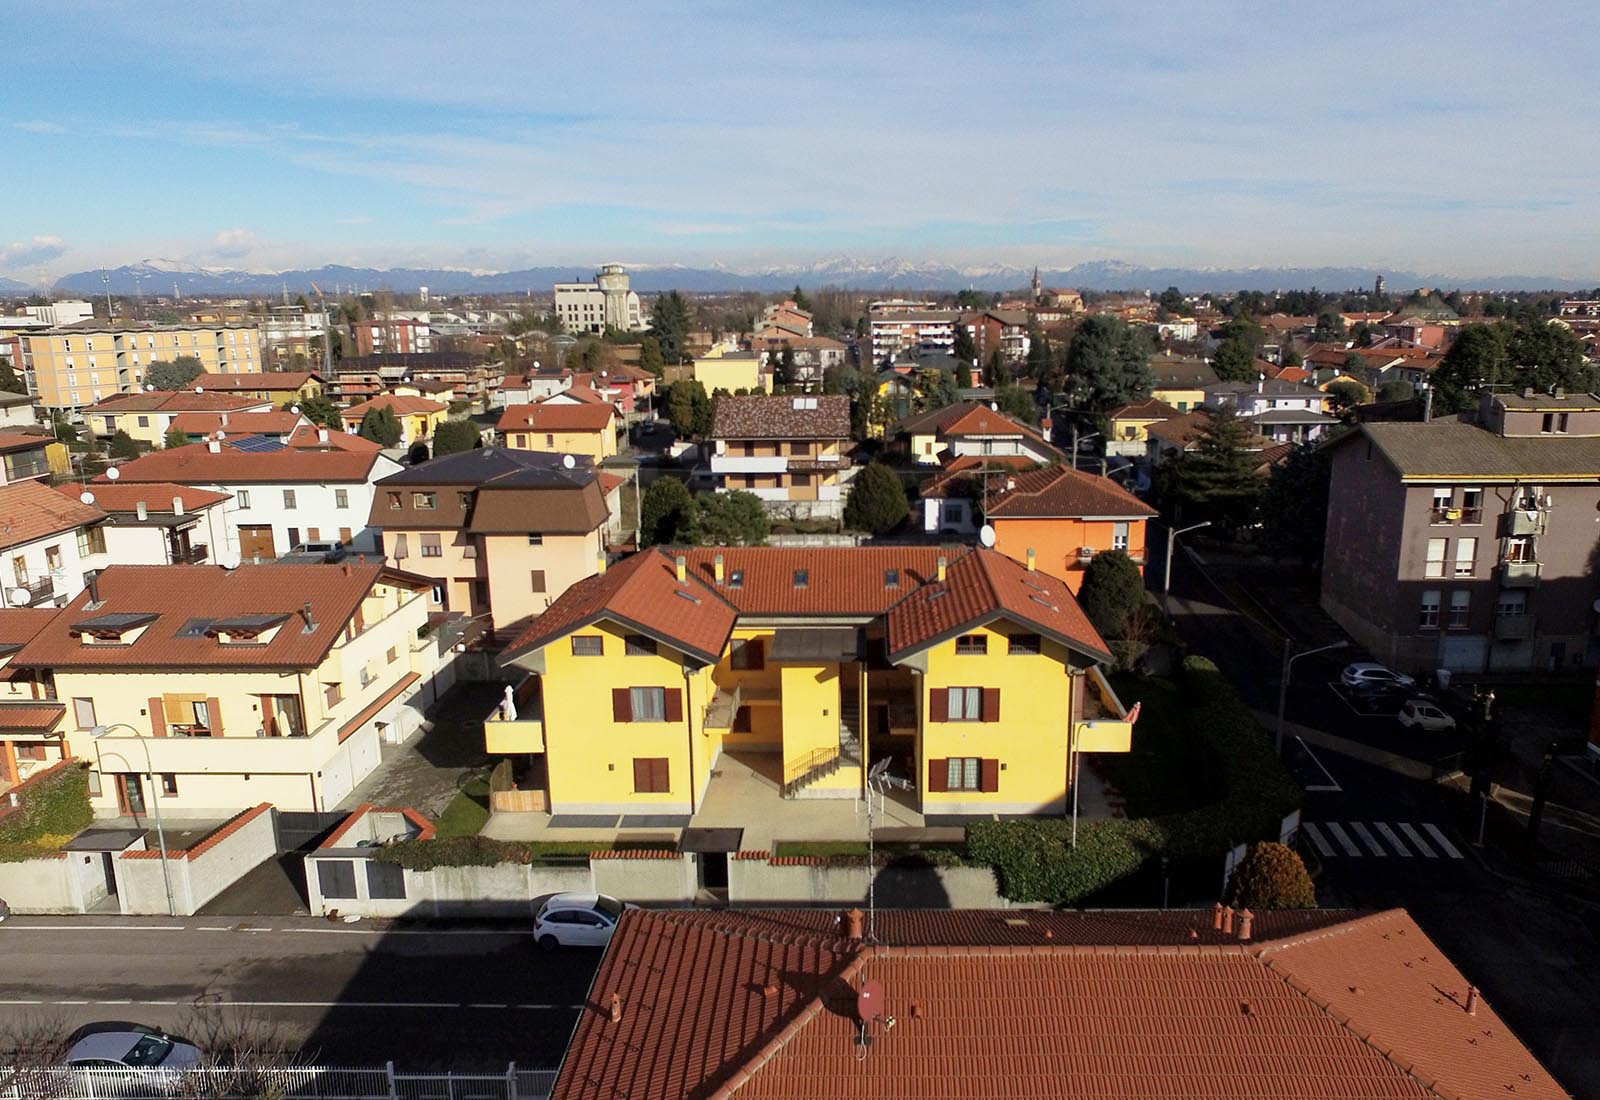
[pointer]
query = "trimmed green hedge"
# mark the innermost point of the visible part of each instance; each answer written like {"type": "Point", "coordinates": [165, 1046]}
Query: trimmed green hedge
{"type": "Point", "coordinates": [55, 808]}
{"type": "Point", "coordinates": [480, 851]}
{"type": "Point", "coordinates": [1033, 858]}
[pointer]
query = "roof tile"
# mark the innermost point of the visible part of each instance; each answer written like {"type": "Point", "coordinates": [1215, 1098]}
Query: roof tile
{"type": "Point", "coordinates": [31, 510]}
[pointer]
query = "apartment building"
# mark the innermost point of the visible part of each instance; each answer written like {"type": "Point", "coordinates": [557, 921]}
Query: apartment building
{"type": "Point", "coordinates": [16, 409]}
{"type": "Point", "coordinates": [791, 451]}
{"type": "Point", "coordinates": [999, 330]}
{"type": "Point", "coordinates": [500, 533]}
{"type": "Point", "coordinates": [48, 541]}
{"type": "Point", "coordinates": [270, 683]}
{"type": "Point", "coordinates": [157, 522]}
{"type": "Point", "coordinates": [970, 429]}
{"type": "Point", "coordinates": [74, 366]}
{"type": "Point", "coordinates": [1469, 544]}
{"type": "Point", "coordinates": [729, 368]}
{"type": "Point", "coordinates": [783, 321]}
{"type": "Point", "coordinates": [293, 334]}
{"type": "Point", "coordinates": [31, 737]}
{"type": "Point", "coordinates": [1129, 426]}
{"type": "Point", "coordinates": [1181, 382]}
{"type": "Point", "coordinates": [316, 485]}
{"type": "Point", "coordinates": [915, 329]}
{"type": "Point", "coordinates": [561, 425]}
{"type": "Point", "coordinates": [392, 336]}
{"type": "Point", "coordinates": [418, 416]}
{"type": "Point", "coordinates": [973, 675]}
{"type": "Point", "coordinates": [148, 415]}
{"type": "Point", "coordinates": [605, 303]}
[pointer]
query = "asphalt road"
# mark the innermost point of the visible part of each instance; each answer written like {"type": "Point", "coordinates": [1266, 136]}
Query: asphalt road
{"type": "Point", "coordinates": [460, 996]}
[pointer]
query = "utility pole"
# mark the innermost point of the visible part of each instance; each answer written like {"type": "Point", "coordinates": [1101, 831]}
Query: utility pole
{"type": "Point", "coordinates": [106, 279]}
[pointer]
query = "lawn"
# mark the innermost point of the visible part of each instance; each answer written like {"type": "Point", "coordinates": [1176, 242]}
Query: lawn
{"type": "Point", "coordinates": [1169, 770]}
{"type": "Point", "coordinates": [468, 811]}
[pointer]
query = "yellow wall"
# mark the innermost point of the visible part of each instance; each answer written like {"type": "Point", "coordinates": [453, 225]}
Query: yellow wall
{"type": "Point", "coordinates": [596, 445]}
{"type": "Point", "coordinates": [1030, 739]}
{"type": "Point", "coordinates": [716, 373]}
{"type": "Point", "coordinates": [1133, 428]}
{"type": "Point", "coordinates": [95, 365]}
{"type": "Point", "coordinates": [1056, 543]}
{"type": "Point", "coordinates": [928, 449]}
{"type": "Point", "coordinates": [1182, 398]}
{"type": "Point", "coordinates": [760, 689]}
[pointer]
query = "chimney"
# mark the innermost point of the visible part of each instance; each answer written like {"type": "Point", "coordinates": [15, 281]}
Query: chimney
{"type": "Point", "coordinates": [224, 420]}
{"type": "Point", "coordinates": [615, 1008]}
{"type": "Point", "coordinates": [177, 506]}
{"type": "Point", "coordinates": [1527, 391]}
{"type": "Point", "coordinates": [322, 435]}
{"type": "Point", "coordinates": [854, 925]}
{"type": "Point", "coordinates": [305, 613]}
{"type": "Point", "coordinates": [1472, 1000]}
{"type": "Point", "coordinates": [92, 578]}
{"type": "Point", "coordinates": [142, 511]}
{"type": "Point", "coordinates": [1033, 560]}
{"type": "Point", "coordinates": [944, 566]}
{"type": "Point", "coordinates": [600, 563]}
{"type": "Point", "coordinates": [1227, 920]}
{"type": "Point", "coordinates": [214, 447]}
{"type": "Point", "coordinates": [717, 569]}
{"type": "Point", "coordinates": [1246, 919]}
{"type": "Point", "coordinates": [682, 565]}
{"type": "Point", "coordinates": [1427, 404]}
{"type": "Point", "coordinates": [1216, 916]}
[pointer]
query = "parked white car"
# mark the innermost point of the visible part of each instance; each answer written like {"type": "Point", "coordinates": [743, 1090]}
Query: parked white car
{"type": "Point", "coordinates": [577, 920]}
{"type": "Point", "coordinates": [1425, 714]}
{"type": "Point", "coordinates": [1370, 674]}
{"type": "Point", "coordinates": [128, 1046]}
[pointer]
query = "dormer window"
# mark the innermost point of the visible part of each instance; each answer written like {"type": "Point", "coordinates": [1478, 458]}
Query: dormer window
{"type": "Point", "coordinates": [122, 628]}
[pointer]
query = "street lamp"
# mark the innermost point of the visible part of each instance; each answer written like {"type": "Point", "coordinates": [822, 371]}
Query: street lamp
{"type": "Point", "coordinates": [1283, 684]}
{"type": "Point", "coordinates": [1166, 575]}
{"type": "Point", "coordinates": [100, 731]}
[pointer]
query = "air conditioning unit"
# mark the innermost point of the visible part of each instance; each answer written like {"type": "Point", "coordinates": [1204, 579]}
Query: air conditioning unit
{"type": "Point", "coordinates": [1085, 553]}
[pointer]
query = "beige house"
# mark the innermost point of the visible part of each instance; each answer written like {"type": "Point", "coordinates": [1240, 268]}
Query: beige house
{"type": "Point", "coordinates": [266, 683]}
{"type": "Point", "coordinates": [726, 367]}
{"type": "Point", "coordinates": [73, 366]}
{"type": "Point", "coordinates": [787, 450]}
{"type": "Point", "coordinates": [148, 416]}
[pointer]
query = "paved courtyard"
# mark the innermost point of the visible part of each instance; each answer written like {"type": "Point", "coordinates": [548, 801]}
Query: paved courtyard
{"type": "Point", "coordinates": [425, 772]}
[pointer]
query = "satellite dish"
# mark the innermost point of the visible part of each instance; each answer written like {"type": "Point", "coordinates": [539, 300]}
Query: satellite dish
{"type": "Point", "coordinates": [295, 409]}
{"type": "Point", "coordinates": [149, 387]}
{"type": "Point", "coordinates": [1597, 605]}
{"type": "Point", "coordinates": [994, 406]}
{"type": "Point", "coordinates": [199, 389]}
{"type": "Point", "coordinates": [19, 597]}
{"type": "Point", "coordinates": [986, 535]}
{"type": "Point", "coordinates": [86, 496]}
{"type": "Point", "coordinates": [568, 461]}
{"type": "Point", "coordinates": [113, 473]}
{"type": "Point", "coordinates": [222, 435]}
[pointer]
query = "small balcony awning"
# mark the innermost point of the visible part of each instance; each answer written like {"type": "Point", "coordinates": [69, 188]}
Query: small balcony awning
{"type": "Point", "coordinates": [816, 644]}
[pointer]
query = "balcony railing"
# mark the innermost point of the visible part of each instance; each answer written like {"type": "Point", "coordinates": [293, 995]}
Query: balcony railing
{"type": "Point", "coordinates": [1513, 628]}
{"type": "Point", "coordinates": [21, 467]}
{"type": "Point", "coordinates": [42, 588]}
{"type": "Point", "coordinates": [1518, 524]}
{"type": "Point", "coordinates": [1520, 574]}
{"type": "Point", "coordinates": [195, 555]}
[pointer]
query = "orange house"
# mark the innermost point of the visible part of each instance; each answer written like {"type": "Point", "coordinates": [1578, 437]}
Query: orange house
{"type": "Point", "coordinates": [1065, 517]}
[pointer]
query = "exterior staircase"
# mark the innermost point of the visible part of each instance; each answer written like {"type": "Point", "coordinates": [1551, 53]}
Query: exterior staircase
{"type": "Point", "coordinates": [821, 763]}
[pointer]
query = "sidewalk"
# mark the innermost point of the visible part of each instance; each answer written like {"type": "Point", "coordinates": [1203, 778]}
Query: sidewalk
{"type": "Point", "coordinates": [1356, 750]}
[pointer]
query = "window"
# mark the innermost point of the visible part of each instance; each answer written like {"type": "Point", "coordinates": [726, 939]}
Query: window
{"type": "Point", "coordinates": [746, 654]}
{"type": "Point", "coordinates": [536, 577]}
{"type": "Point", "coordinates": [1439, 512]}
{"type": "Point", "coordinates": [385, 880]}
{"type": "Point", "coordinates": [1023, 645]}
{"type": "Point", "coordinates": [1466, 556]}
{"type": "Point", "coordinates": [1119, 536]}
{"type": "Point", "coordinates": [431, 547]}
{"type": "Point", "coordinates": [647, 704]}
{"type": "Point", "coordinates": [288, 499]}
{"type": "Point", "coordinates": [341, 498]}
{"type": "Point", "coordinates": [1472, 506]}
{"type": "Point", "coordinates": [1519, 549]}
{"type": "Point", "coordinates": [802, 578]}
{"type": "Point", "coordinates": [743, 722]}
{"type": "Point", "coordinates": [394, 502]}
{"type": "Point", "coordinates": [336, 878]}
{"type": "Point", "coordinates": [1555, 422]}
{"type": "Point", "coordinates": [1460, 609]}
{"type": "Point", "coordinates": [588, 645]}
{"type": "Point", "coordinates": [393, 655]}
{"type": "Point", "coordinates": [439, 591]}
{"type": "Point", "coordinates": [91, 540]}
{"type": "Point", "coordinates": [169, 785]}
{"type": "Point", "coordinates": [535, 540]}
{"type": "Point", "coordinates": [332, 694]}
{"type": "Point", "coordinates": [1428, 616]}
{"type": "Point", "coordinates": [425, 501]}
{"type": "Point", "coordinates": [972, 645]}
{"type": "Point", "coordinates": [242, 497]}
{"type": "Point", "coordinates": [801, 481]}
{"type": "Point", "coordinates": [83, 711]}
{"type": "Point", "coordinates": [891, 578]}
{"type": "Point", "coordinates": [281, 716]}
{"type": "Point", "coordinates": [650, 775]}
{"type": "Point", "coordinates": [52, 558]}
{"type": "Point", "coordinates": [965, 704]}
{"type": "Point", "coordinates": [963, 773]}
{"type": "Point", "coordinates": [400, 550]}
{"type": "Point", "coordinates": [144, 421]}
{"type": "Point", "coordinates": [1434, 565]}
{"type": "Point", "coordinates": [637, 645]}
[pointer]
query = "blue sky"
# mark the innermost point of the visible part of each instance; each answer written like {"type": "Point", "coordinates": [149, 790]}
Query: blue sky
{"type": "Point", "coordinates": [510, 134]}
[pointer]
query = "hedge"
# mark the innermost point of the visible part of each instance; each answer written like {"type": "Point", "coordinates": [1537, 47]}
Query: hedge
{"type": "Point", "coordinates": [52, 809]}
{"type": "Point", "coordinates": [1033, 858]}
{"type": "Point", "coordinates": [481, 851]}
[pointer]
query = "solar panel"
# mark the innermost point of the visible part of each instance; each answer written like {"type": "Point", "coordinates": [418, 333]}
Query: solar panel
{"type": "Point", "coordinates": [256, 444]}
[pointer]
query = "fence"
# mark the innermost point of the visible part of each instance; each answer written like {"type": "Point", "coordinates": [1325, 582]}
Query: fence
{"type": "Point", "coordinates": [289, 1082]}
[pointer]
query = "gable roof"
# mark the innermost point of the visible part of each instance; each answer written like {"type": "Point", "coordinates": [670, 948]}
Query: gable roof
{"type": "Point", "coordinates": [189, 400]}
{"type": "Point", "coordinates": [781, 416]}
{"type": "Point", "coordinates": [970, 418]}
{"type": "Point", "coordinates": [402, 406]}
{"type": "Point", "coordinates": [265, 381]}
{"type": "Point", "coordinates": [31, 510]}
{"type": "Point", "coordinates": [156, 496]}
{"type": "Point", "coordinates": [303, 456]}
{"type": "Point", "coordinates": [1181, 373]}
{"type": "Point", "coordinates": [1455, 448]}
{"type": "Point", "coordinates": [549, 416]}
{"type": "Point", "coordinates": [986, 1003]}
{"type": "Point", "coordinates": [276, 422]}
{"type": "Point", "coordinates": [483, 465]}
{"type": "Point", "coordinates": [20, 625]}
{"type": "Point", "coordinates": [1152, 408]}
{"type": "Point", "coordinates": [1060, 492]}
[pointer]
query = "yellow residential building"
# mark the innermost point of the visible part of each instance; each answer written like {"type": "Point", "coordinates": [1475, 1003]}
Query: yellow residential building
{"type": "Point", "coordinates": [728, 368]}
{"type": "Point", "coordinates": [148, 416]}
{"type": "Point", "coordinates": [279, 387]}
{"type": "Point", "coordinates": [1128, 432]}
{"type": "Point", "coordinates": [586, 429]}
{"type": "Point", "coordinates": [418, 416]}
{"type": "Point", "coordinates": [976, 677]}
{"type": "Point", "coordinates": [74, 366]}
{"type": "Point", "coordinates": [265, 683]}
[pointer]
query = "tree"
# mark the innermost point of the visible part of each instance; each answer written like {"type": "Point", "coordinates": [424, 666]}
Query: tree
{"type": "Point", "coordinates": [9, 382]}
{"type": "Point", "coordinates": [175, 437]}
{"type": "Point", "coordinates": [1017, 402]}
{"type": "Point", "coordinates": [689, 409]}
{"type": "Point", "coordinates": [455, 436]}
{"type": "Point", "coordinates": [1171, 300]}
{"type": "Point", "coordinates": [1347, 395]}
{"type": "Point", "coordinates": [1292, 358]}
{"type": "Point", "coordinates": [650, 355]}
{"type": "Point", "coordinates": [1235, 357]}
{"type": "Point", "coordinates": [788, 376]}
{"type": "Point", "coordinates": [417, 453]}
{"type": "Point", "coordinates": [1216, 480]}
{"type": "Point", "coordinates": [1330, 328]}
{"type": "Point", "coordinates": [799, 299]}
{"type": "Point", "coordinates": [966, 348]}
{"type": "Point", "coordinates": [731, 518]}
{"type": "Point", "coordinates": [1294, 506]}
{"type": "Point", "coordinates": [664, 512]}
{"type": "Point", "coordinates": [1396, 389]}
{"type": "Point", "coordinates": [174, 375]}
{"type": "Point", "coordinates": [381, 426]}
{"type": "Point", "coordinates": [1112, 592]}
{"type": "Point", "coordinates": [877, 500]}
{"type": "Point", "coordinates": [1271, 876]}
{"type": "Point", "coordinates": [123, 446]}
{"type": "Point", "coordinates": [669, 324]}
{"type": "Point", "coordinates": [963, 375]}
{"type": "Point", "coordinates": [1108, 364]}
{"type": "Point", "coordinates": [938, 388]}
{"type": "Point", "coordinates": [317, 409]}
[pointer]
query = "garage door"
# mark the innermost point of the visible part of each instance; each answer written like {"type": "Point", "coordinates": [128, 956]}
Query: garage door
{"type": "Point", "coordinates": [1463, 652]}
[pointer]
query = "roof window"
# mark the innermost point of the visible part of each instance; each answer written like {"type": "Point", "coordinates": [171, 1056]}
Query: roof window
{"type": "Point", "coordinates": [802, 578]}
{"type": "Point", "coordinates": [891, 578]}
{"type": "Point", "coordinates": [736, 578]}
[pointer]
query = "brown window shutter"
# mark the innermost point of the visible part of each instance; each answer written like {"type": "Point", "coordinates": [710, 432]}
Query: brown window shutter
{"type": "Point", "coordinates": [674, 700]}
{"type": "Point", "coordinates": [938, 776]}
{"type": "Point", "coordinates": [660, 779]}
{"type": "Point", "coordinates": [158, 717]}
{"type": "Point", "coordinates": [756, 648]}
{"type": "Point", "coordinates": [621, 705]}
{"type": "Point", "coordinates": [989, 775]}
{"type": "Point", "coordinates": [939, 706]}
{"type": "Point", "coordinates": [991, 704]}
{"type": "Point", "coordinates": [641, 774]}
{"type": "Point", "coordinates": [214, 708]}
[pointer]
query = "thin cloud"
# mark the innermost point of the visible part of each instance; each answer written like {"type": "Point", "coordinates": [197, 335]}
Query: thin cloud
{"type": "Point", "coordinates": [32, 253]}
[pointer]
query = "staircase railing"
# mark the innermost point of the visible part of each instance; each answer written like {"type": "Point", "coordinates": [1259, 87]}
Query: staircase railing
{"type": "Point", "coordinates": [802, 769]}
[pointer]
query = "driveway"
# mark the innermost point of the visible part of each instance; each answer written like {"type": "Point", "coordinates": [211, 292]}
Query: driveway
{"type": "Point", "coordinates": [425, 772]}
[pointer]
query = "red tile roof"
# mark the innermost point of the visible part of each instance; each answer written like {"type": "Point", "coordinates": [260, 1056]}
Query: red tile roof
{"type": "Point", "coordinates": [402, 406]}
{"type": "Point", "coordinates": [31, 510]}
{"type": "Point", "coordinates": [19, 441]}
{"type": "Point", "coordinates": [177, 594]}
{"type": "Point", "coordinates": [20, 624]}
{"type": "Point", "coordinates": [157, 496]}
{"type": "Point", "coordinates": [548, 417]}
{"type": "Point", "coordinates": [276, 422]}
{"type": "Point", "coordinates": [781, 416]}
{"type": "Point", "coordinates": [1293, 374]}
{"type": "Point", "coordinates": [839, 580]}
{"type": "Point", "coordinates": [305, 457]}
{"type": "Point", "coordinates": [1059, 492]}
{"type": "Point", "coordinates": [968, 418]}
{"type": "Point", "coordinates": [1151, 408]}
{"type": "Point", "coordinates": [175, 401]}
{"type": "Point", "coordinates": [1036, 1004]}
{"type": "Point", "coordinates": [34, 718]}
{"type": "Point", "coordinates": [264, 381]}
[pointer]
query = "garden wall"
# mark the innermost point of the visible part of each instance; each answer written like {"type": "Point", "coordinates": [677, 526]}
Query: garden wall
{"type": "Point", "coordinates": [200, 873]}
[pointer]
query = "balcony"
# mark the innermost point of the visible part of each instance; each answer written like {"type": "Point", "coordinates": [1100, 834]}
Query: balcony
{"type": "Point", "coordinates": [1513, 628]}
{"type": "Point", "coordinates": [44, 588]}
{"type": "Point", "coordinates": [195, 555]}
{"type": "Point", "coordinates": [29, 464]}
{"type": "Point", "coordinates": [1520, 574]}
{"type": "Point", "coordinates": [1519, 524]}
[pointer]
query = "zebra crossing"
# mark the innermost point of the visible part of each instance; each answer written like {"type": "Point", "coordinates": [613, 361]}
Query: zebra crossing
{"type": "Point", "coordinates": [1379, 840]}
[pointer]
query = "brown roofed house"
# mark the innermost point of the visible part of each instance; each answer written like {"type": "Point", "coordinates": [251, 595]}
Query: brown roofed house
{"type": "Point", "coordinates": [791, 450]}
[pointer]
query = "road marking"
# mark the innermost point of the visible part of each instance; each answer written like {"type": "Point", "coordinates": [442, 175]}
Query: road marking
{"type": "Point", "coordinates": [1332, 784]}
{"type": "Point", "coordinates": [1343, 838]}
{"type": "Point", "coordinates": [1416, 838]}
{"type": "Point", "coordinates": [1441, 840]}
{"type": "Point", "coordinates": [1318, 841]}
{"type": "Point", "coordinates": [1389, 835]}
{"type": "Point", "coordinates": [1368, 839]}
{"type": "Point", "coordinates": [95, 927]}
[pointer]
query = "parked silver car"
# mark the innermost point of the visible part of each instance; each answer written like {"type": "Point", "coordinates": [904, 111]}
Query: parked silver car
{"type": "Point", "coordinates": [128, 1046]}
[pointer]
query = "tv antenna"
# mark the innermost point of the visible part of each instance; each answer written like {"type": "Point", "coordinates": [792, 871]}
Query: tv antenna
{"type": "Point", "coordinates": [878, 784]}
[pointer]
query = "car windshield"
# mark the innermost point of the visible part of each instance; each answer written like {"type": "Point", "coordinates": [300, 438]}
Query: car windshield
{"type": "Point", "coordinates": [609, 906]}
{"type": "Point", "coordinates": [150, 1050]}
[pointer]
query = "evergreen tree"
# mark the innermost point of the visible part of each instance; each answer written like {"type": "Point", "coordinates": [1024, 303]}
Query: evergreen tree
{"type": "Point", "coordinates": [9, 382]}
{"type": "Point", "coordinates": [1294, 506]}
{"type": "Point", "coordinates": [689, 409]}
{"type": "Point", "coordinates": [669, 324]}
{"type": "Point", "coordinates": [1216, 480]}
{"type": "Point", "coordinates": [1108, 362]}
{"type": "Point", "coordinates": [788, 374]}
{"type": "Point", "coordinates": [664, 512]}
{"type": "Point", "coordinates": [1018, 402]}
{"type": "Point", "coordinates": [1235, 357]}
{"type": "Point", "coordinates": [650, 355]}
{"type": "Point", "coordinates": [318, 409]}
{"type": "Point", "coordinates": [966, 348]}
{"type": "Point", "coordinates": [175, 437]}
{"type": "Point", "coordinates": [1112, 591]}
{"type": "Point", "coordinates": [122, 445]}
{"type": "Point", "coordinates": [877, 500]}
{"type": "Point", "coordinates": [174, 375]}
{"type": "Point", "coordinates": [963, 375]}
{"type": "Point", "coordinates": [799, 299]}
{"type": "Point", "coordinates": [729, 518]}
{"type": "Point", "coordinates": [381, 426]}
{"type": "Point", "coordinates": [454, 436]}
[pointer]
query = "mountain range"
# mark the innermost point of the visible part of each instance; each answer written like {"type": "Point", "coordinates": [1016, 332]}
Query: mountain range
{"type": "Point", "coordinates": [158, 277]}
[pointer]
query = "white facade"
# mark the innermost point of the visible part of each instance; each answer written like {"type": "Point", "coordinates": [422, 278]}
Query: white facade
{"type": "Point", "coordinates": [51, 569]}
{"type": "Point", "coordinates": [17, 410]}
{"type": "Point", "coordinates": [912, 327]}
{"type": "Point", "coordinates": [68, 311]}
{"type": "Point", "coordinates": [606, 303]}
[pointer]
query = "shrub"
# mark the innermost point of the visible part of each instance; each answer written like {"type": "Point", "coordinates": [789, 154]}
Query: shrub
{"type": "Point", "coordinates": [734, 517]}
{"type": "Point", "coordinates": [50, 810]}
{"type": "Point", "coordinates": [454, 436]}
{"type": "Point", "coordinates": [665, 512]}
{"type": "Point", "coordinates": [1112, 591]}
{"type": "Point", "coordinates": [122, 445]}
{"type": "Point", "coordinates": [877, 500]}
{"type": "Point", "coordinates": [1271, 876]}
{"type": "Point", "coordinates": [382, 426]}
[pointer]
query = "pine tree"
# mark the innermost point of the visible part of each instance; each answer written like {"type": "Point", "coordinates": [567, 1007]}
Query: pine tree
{"type": "Point", "coordinates": [1217, 480]}
{"type": "Point", "coordinates": [877, 500]}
